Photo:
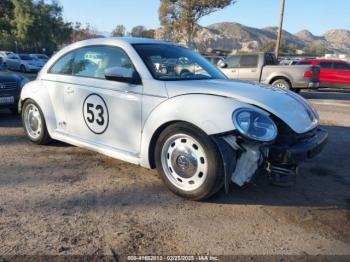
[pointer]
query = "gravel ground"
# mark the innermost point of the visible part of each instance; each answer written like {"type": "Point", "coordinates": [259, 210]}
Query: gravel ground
{"type": "Point", "coordinates": [61, 199]}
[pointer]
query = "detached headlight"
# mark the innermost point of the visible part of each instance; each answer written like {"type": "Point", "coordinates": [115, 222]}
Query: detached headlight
{"type": "Point", "coordinates": [254, 125]}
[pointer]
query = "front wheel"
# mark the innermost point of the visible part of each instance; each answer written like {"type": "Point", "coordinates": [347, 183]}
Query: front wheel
{"type": "Point", "coordinates": [281, 83]}
{"type": "Point", "coordinates": [34, 123]}
{"type": "Point", "coordinates": [188, 162]}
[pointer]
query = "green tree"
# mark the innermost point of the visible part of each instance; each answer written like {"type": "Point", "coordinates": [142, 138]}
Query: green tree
{"type": "Point", "coordinates": [39, 25]}
{"type": "Point", "coordinates": [270, 46]}
{"type": "Point", "coordinates": [7, 40]}
{"type": "Point", "coordinates": [119, 31]}
{"type": "Point", "coordinates": [179, 18]}
{"type": "Point", "coordinates": [81, 32]}
{"type": "Point", "coordinates": [315, 50]}
{"type": "Point", "coordinates": [138, 31]}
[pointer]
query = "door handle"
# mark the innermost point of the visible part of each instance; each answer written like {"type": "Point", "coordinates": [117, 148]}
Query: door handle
{"type": "Point", "coordinates": [70, 90]}
{"type": "Point", "coordinates": [253, 70]}
{"type": "Point", "coordinates": [233, 71]}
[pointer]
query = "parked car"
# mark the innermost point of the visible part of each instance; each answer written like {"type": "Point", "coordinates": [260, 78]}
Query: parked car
{"type": "Point", "coordinates": [22, 62]}
{"type": "Point", "coordinates": [10, 89]}
{"type": "Point", "coordinates": [333, 73]}
{"type": "Point", "coordinates": [41, 58]}
{"type": "Point", "coordinates": [200, 130]}
{"type": "Point", "coordinates": [263, 68]}
{"type": "Point", "coordinates": [4, 54]}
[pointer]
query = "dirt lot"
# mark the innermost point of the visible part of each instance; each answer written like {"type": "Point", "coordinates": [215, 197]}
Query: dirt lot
{"type": "Point", "coordinates": [60, 199]}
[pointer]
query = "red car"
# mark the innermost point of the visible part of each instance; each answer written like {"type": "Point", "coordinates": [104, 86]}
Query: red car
{"type": "Point", "coordinates": [333, 73]}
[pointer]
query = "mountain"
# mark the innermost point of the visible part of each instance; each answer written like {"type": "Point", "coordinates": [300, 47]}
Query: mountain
{"type": "Point", "coordinates": [338, 39]}
{"type": "Point", "coordinates": [235, 36]}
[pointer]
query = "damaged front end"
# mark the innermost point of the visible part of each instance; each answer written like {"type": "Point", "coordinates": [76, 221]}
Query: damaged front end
{"type": "Point", "coordinates": [243, 155]}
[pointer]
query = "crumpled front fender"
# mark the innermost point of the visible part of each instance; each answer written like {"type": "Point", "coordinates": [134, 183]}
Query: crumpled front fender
{"type": "Point", "coordinates": [210, 113]}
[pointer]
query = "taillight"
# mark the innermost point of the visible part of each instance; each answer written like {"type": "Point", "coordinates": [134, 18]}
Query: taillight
{"type": "Point", "coordinates": [308, 74]}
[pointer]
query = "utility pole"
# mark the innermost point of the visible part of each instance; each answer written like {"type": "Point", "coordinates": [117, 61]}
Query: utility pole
{"type": "Point", "coordinates": [279, 35]}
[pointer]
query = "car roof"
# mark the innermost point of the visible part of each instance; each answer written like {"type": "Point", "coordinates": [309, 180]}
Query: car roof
{"type": "Point", "coordinates": [129, 40]}
{"type": "Point", "coordinates": [324, 60]}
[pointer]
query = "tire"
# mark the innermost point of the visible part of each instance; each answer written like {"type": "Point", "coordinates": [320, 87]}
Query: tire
{"type": "Point", "coordinates": [188, 162]}
{"type": "Point", "coordinates": [34, 123]}
{"type": "Point", "coordinates": [281, 83]}
{"type": "Point", "coordinates": [23, 69]}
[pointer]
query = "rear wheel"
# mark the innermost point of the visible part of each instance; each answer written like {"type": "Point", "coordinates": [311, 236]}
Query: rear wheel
{"type": "Point", "coordinates": [189, 162]}
{"type": "Point", "coordinates": [34, 123]}
{"type": "Point", "coordinates": [281, 83]}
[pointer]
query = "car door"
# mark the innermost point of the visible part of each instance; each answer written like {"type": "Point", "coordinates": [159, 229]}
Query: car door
{"type": "Point", "coordinates": [248, 69]}
{"type": "Point", "coordinates": [327, 74]}
{"type": "Point", "coordinates": [342, 73]}
{"type": "Point", "coordinates": [100, 111]}
{"type": "Point", "coordinates": [232, 65]}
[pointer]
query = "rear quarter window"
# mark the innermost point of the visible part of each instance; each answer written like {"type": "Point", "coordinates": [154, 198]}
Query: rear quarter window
{"type": "Point", "coordinates": [249, 61]}
{"type": "Point", "coordinates": [64, 65]}
{"type": "Point", "coordinates": [326, 65]}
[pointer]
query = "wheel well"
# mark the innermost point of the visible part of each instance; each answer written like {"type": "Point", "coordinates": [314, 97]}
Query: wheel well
{"type": "Point", "coordinates": [280, 77]}
{"type": "Point", "coordinates": [152, 145]}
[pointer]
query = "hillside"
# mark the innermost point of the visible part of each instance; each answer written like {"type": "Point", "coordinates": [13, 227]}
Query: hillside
{"type": "Point", "coordinates": [235, 36]}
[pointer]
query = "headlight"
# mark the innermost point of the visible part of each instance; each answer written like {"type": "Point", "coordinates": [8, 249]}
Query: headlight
{"type": "Point", "coordinates": [254, 125]}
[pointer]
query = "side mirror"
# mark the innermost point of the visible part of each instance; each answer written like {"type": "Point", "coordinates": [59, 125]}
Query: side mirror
{"type": "Point", "coordinates": [122, 74]}
{"type": "Point", "coordinates": [222, 64]}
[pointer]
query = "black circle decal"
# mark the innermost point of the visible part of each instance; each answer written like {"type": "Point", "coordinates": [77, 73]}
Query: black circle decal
{"type": "Point", "coordinates": [95, 113]}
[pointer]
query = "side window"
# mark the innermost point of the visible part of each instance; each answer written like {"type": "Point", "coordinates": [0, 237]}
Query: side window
{"type": "Point", "coordinates": [249, 61]}
{"type": "Point", "coordinates": [92, 61]}
{"type": "Point", "coordinates": [341, 66]}
{"type": "Point", "coordinates": [233, 61]}
{"type": "Point", "coordinates": [326, 65]}
{"type": "Point", "coordinates": [64, 66]}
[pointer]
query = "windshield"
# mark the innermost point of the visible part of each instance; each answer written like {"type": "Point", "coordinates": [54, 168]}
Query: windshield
{"type": "Point", "coordinates": [171, 62]}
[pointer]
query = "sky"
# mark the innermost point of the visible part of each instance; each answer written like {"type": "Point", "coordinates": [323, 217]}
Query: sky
{"type": "Point", "coordinates": [318, 16]}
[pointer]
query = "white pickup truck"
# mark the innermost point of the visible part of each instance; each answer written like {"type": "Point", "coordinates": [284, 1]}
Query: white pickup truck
{"type": "Point", "coordinates": [263, 68]}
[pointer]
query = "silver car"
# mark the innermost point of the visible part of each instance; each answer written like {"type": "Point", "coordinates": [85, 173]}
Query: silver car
{"type": "Point", "coordinates": [40, 58]}
{"type": "Point", "coordinates": [199, 129]}
{"type": "Point", "coordinates": [22, 62]}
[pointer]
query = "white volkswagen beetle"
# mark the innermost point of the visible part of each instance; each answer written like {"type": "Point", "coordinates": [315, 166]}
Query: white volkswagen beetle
{"type": "Point", "coordinates": [163, 106]}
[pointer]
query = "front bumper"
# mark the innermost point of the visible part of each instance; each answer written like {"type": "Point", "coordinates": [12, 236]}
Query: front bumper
{"type": "Point", "coordinates": [303, 149]}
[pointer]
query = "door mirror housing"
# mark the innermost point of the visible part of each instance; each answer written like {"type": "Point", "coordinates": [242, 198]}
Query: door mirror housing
{"type": "Point", "coordinates": [122, 74]}
{"type": "Point", "coordinates": [222, 64]}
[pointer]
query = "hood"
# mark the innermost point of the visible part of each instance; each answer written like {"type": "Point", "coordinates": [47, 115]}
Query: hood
{"type": "Point", "coordinates": [9, 77]}
{"type": "Point", "coordinates": [291, 108]}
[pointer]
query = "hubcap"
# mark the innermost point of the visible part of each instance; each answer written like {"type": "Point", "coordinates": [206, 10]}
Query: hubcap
{"type": "Point", "coordinates": [184, 162]}
{"type": "Point", "coordinates": [281, 85]}
{"type": "Point", "coordinates": [32, 121]}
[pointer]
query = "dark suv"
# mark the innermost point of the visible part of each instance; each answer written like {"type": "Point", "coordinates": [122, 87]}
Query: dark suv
{"type": "Point", "coordinates": [10, 90]}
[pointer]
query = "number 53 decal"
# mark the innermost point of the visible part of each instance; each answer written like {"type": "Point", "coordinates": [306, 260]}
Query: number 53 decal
{"type": "Point", "coordinates": [95, 114]}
